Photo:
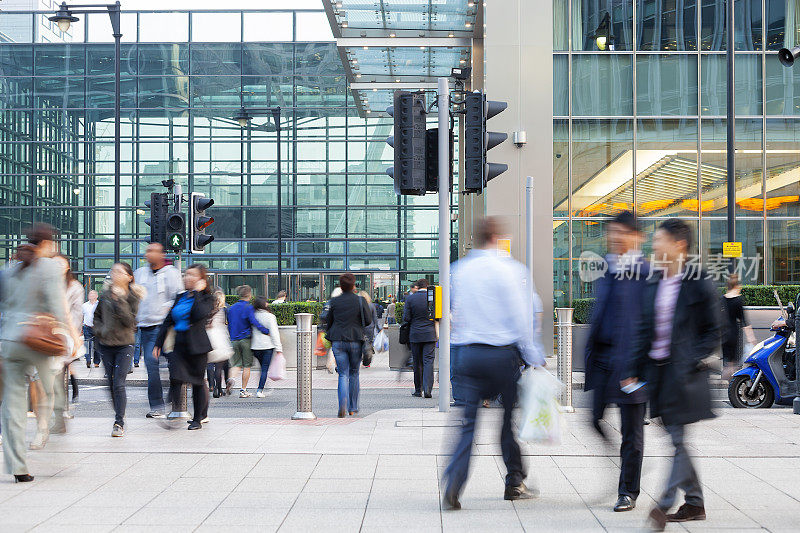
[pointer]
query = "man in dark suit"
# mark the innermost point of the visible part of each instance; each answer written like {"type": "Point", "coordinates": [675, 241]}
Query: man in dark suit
{"type": "Point", "coordinates": [421, 338]}
{"type": "Point", "coordinates": [677, 331]}
{"type": "Point", "coordinates": [608, 348]}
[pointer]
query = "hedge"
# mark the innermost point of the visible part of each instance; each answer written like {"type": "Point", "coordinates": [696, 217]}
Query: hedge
{"type": "Point", "coordinates": [753, 295]}
{"type": "Point", "coordinates": [285, 312]}
{"type": "Point", "coordinates": [398, 312]}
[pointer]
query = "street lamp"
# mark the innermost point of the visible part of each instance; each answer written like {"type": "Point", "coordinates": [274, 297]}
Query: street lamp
{"type": "Point", "coordinates": [64, 17]}
{"type": "Point", "coordinates": [787, 58]}
{"type": "Point", "coordinates": [243, 117]}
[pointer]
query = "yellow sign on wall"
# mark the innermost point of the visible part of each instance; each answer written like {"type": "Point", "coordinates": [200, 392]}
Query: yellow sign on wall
{"type": "Point", "coordinates": [731, 249]}
{"type": "Point", "coordinates": [504, 247]}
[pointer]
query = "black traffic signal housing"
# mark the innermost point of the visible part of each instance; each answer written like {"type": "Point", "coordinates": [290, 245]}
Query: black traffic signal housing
{"type": "Point", "coordinates": [199, 221]}
{"type": "Point", "coordinates": [432, 159]}
{"type": "Point", "coordinates": [408, 142]}
{"type": "Point", "coordinates": [477, 141]}
{"type": "Point", "coordinates": [158, 205]}
{"type": "Point", "coordinates": [176, 231]}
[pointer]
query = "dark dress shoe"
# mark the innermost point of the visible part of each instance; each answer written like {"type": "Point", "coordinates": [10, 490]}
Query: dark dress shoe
{"type": "Point", "coordinates": [624, 503]}
{"type": "Point", "coordinates": [416, 394]}
{"type": "Point", "coordinates": [520, 492]}
{"type": "Point", "coordinates": [428, 395]}
{"type": "Point", "coordinates": [22, 478]}
{"type": "Point", "coordinates": [451, 502]}
{"type": "Point", "coordinates": [687, 512]}
{"type": "Point", "coordinates": [194, 424]}
{"type": "Point", "coordinates": [216, 394]}
{"type": "Point", "coordinates": [657, 520]}
{"type": "Point", "coordinates": [599, 429]}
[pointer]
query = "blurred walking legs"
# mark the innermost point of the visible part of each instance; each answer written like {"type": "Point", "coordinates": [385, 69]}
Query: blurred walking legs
{"type": "Point", "coordinates": [17, 364]}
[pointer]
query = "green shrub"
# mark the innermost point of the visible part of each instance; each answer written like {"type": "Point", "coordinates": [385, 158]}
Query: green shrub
{"type": "Point", "coordinates": [285, 312]}
{"type": "Point", "coordinates": [583, 310]}
{"type": "Point", "coordinates": [752, 295]}
{"type": "Point", "coordinates": [762, 294]}
{"type": "Point", "coordinates": [398, 312]}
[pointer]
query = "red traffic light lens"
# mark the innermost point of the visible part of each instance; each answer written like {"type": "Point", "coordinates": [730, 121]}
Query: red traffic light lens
{"type": "Point", "coordinates": [205, 222]}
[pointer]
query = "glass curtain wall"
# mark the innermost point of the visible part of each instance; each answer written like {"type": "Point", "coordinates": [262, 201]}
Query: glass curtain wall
{"type": "Point", "coordinates": [339, 211]}
{"type": "Point", "coordinates": [640, 124]}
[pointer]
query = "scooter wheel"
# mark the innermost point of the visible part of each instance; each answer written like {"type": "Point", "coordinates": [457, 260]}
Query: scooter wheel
{"type": "Point", "coordinates": [740, 397]}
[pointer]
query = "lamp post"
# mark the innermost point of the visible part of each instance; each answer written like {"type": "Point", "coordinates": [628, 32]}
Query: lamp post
{"type": "Point", "coordinates": [64, 17]}
{"type": "Point", "coordinates": [243, 117]}
{"type": "Point", "coordinates": [730, 144]}
{"type": "Point", "coordinates": [787, 58]}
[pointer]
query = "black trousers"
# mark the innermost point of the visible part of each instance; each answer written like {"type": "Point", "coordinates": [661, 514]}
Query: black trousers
{"type": "Point", "coordinates": [423, 354]}
{"type": "Point", "coordinates": [199, 398]}
{"type": "Point", "coordinates": [631, 451]}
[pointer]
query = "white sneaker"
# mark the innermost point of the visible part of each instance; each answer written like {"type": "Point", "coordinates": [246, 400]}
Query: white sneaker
{"type": "Point", "coordinates": [205, 420]}
{"type": "Point", "coordinates": [244, 394]}
{"type": "Point", "coordinates": [260, 393]}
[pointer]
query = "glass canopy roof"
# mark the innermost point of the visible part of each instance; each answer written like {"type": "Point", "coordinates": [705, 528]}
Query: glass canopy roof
{"type": "Point", "coordinates": [400, 44]}
{"type": "Point", "coordinates": [411, 15]}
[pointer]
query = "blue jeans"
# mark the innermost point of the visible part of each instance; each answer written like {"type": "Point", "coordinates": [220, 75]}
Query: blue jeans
{"type": "Point", "coordinates": [117, 363]}
{"type": "Point", "coordinates": [486, 371]}
{"type": "Point", "coordinates": [91, 350]}
{"type": "Point", "coordinates": [264, 359]}
{"type": "Point", "coordinates": [137, 343]}
{"type": "Point", "coordinates": [348, 359]}
{"type": "Point", "coordinates": [455, 379]}
{"type": "Point", "coordinates": [155, 393]}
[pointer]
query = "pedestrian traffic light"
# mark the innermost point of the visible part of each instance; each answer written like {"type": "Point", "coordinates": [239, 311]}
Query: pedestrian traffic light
{"type": "Point", "coordinates": [408, 142]}
{"type": "Point", "coordinates": [199, 222]}
{"type": "Point", "coordinates": [176, 231]}
{"type": "Point", "coordinates": [158, 205]}
{"type": "Point", "coordinates": [477, 141]}
{"type": "Point", "coordinates": [432, 159]}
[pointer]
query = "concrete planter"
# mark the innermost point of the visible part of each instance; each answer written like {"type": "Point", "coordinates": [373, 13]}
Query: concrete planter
{"type": "Point", "coordinates": [289, 341]}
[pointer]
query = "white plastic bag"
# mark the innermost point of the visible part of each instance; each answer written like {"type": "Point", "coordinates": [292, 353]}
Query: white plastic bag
{"type": "Point", "coordinates": [277, 368]}
{"type": "Point", "coordinates": [381, 343]}
{"type": "Point", "coordinates": [541, 413]}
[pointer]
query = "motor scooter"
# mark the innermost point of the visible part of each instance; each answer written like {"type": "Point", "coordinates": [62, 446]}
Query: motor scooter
{"type": "Point", "coordinates": [769, 373]}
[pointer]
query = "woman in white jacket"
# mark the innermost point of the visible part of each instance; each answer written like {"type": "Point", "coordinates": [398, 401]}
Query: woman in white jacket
{"type": "Point", "coordinates": [264, 346]}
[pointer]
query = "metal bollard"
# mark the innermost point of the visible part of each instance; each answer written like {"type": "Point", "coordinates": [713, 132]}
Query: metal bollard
{"type": "Point", "coordinates": [304, 362]}
{"type": "Point", "coordinates": [180, 408]}
{"type": "Point", "coordinates": [564, 355]}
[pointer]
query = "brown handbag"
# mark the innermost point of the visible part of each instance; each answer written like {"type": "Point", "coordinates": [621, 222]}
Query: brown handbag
{"type": "Point", "coordinates": [44, 334]}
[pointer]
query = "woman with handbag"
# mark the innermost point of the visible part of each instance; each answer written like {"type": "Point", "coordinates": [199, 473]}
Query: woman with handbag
{"type": "Point", "coordinates": [221, 346]}
{"type": "Point", "coordinates": [33, 306]}
{"type": "Point", "coordinates": [347, 317]}
{"type": "Point", "coordinates": [74, 297]}
{"type": "Point", "coordinates": [264, 346]}
{"type": "Point", "coordinates": [115, 333]}
{"type": "Point", "coordinates": [188, 319]}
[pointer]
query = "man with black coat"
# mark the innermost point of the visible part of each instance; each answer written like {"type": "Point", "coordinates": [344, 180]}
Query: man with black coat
{"type": "Point", "coordinates": [676, 332]}
{"type": "Point", "coordinates": [421, 338]}
{"type": "Point", "coordinates": [608, 349]}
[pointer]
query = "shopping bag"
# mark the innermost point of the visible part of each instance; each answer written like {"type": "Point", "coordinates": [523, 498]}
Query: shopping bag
{"type": "Point", "coordinates": [221, 348]}
{"type": "Point", "coordinates": [322, 347]}
{"type": "Point", "coordinates": [381, 342]}
{"type": "Point", "coordinates": [541, 413]}
{"type": "Point", "coordinates": [277, 367]}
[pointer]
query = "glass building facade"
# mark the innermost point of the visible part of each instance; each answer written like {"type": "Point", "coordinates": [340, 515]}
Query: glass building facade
{"type": "Point", "coordinates": [643, 126]}
{"type": "Point", "coordinates": [184, 75]}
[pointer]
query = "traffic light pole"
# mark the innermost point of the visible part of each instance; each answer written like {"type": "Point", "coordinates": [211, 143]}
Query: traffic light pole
{"type": "Point", "coordinates": [444, 244]}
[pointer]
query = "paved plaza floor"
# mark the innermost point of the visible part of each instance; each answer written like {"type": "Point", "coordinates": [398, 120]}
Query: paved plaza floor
{"type": "Point", "coordinates": [382, 472]}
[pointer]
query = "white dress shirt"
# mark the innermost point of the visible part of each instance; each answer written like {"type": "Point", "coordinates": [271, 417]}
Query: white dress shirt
{"type": "Point", "coordinates": [491, 303]}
